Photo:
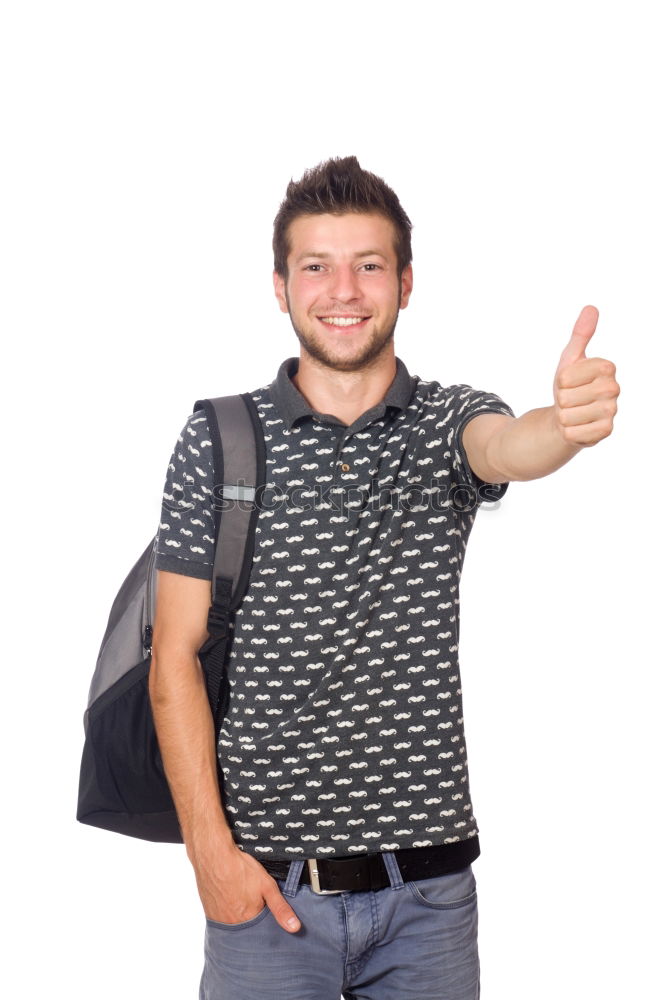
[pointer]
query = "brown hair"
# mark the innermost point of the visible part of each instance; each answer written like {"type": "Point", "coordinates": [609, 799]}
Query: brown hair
{"type": "Point", "coordinates": [337, 186]}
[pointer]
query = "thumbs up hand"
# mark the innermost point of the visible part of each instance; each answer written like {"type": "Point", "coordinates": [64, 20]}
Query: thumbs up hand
{"type": "Point", "coordinates": [585, 389]}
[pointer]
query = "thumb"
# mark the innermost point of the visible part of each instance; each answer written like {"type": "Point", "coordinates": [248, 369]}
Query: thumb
{"type": "Point", "coordinates": [583, 330]}
{"type": "Point", "coordinates": [281, 909]}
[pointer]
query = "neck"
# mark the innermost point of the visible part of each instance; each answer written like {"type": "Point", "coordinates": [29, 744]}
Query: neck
{"type": "Point", "coordinates": [345, 395]}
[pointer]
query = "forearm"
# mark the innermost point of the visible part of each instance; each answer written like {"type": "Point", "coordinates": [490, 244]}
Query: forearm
{"type": "Point", "coordinates": [185, 731]}
{"type": "Point", "coordinates": [530, 447]}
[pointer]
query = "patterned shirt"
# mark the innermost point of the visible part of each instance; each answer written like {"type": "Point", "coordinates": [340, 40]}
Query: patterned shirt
{"type": "Point", "coordinates": [344, 731]}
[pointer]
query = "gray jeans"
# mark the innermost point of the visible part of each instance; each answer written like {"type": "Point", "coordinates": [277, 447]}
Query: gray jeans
{"type": "Point", "coordinates": [407, 941]}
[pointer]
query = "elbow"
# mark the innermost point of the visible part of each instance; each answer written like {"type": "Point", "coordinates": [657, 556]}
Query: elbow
{"type": "Point", "coordinates": [171, 672]}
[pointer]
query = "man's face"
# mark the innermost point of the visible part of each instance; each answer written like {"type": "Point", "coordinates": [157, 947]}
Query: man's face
{"type": "Point", "coordinates": [343, 268]}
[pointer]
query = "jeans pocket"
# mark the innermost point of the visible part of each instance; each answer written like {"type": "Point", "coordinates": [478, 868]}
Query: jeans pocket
{"type": "Point", "coordinates": [215, 924]}
{"type": "Point", "coordinates": [445, 892]}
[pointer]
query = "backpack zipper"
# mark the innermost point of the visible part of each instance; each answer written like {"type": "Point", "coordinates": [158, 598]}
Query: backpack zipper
{"type": "Point", "coordinates": [148, 631]}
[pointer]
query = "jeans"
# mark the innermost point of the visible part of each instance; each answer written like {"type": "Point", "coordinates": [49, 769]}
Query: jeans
{"type": "Point", "coordinates": [407, 941]}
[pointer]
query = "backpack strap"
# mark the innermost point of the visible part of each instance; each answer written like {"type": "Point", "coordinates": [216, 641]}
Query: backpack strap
{"type": "Point", "coordinates": [238, 453]}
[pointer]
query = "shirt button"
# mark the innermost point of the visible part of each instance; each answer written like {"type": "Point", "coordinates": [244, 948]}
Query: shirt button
{"type": "Point", "coordinates": [345, 467]}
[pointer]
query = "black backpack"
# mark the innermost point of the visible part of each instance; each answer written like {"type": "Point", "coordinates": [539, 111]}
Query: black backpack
{"type": "Point", "coordinates": [122, 784]}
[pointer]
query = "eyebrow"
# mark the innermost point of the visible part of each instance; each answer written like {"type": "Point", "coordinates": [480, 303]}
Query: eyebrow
{"type": "Point", "coordinates": [325, 256]}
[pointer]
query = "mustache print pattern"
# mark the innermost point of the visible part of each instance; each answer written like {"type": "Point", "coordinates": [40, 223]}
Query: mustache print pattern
{"type": "Point", "coordinates": [344, 732]}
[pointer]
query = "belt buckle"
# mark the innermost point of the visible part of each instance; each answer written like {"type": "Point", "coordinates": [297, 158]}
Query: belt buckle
{"type": "Point", "coordinates": [315, 880]}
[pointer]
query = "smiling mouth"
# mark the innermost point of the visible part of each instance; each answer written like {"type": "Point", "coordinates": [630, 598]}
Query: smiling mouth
{"type": "Point", "coordinates": [343, 322]}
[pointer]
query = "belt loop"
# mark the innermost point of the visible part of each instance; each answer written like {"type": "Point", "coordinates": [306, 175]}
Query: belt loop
{"type": "Point", "coordinates": [393, 870]}
{"type": "Point", "coordinates": [292, 880]}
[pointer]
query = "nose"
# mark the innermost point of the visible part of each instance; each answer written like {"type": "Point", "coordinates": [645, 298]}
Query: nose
{"type": "Point", "coordinates": [344, 284]}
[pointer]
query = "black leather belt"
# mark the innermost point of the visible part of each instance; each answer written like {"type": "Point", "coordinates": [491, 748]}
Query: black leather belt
{"type": "Point", "coordinates": [368, 871]}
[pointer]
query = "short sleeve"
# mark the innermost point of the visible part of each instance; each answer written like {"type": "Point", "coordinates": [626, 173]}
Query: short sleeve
{"type": "Point", "coordinates": [464, 403]}
{"type": "Point", "coordinates": [185, 538]}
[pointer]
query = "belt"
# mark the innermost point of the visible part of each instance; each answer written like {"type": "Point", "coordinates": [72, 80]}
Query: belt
{"type": "Point", "coordinates": [368, 871]}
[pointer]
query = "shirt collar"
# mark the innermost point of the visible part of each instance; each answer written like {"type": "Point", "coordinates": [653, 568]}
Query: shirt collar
{"type": "Point", "coordinates": [292, 405]}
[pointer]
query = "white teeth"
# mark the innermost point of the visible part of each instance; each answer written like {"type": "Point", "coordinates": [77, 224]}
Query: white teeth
{"type": "Point", "coordinates": [343, 320]}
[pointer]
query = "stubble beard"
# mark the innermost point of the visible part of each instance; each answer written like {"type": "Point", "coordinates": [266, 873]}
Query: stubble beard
{"type": "Point", "coordinates": [376, 345]}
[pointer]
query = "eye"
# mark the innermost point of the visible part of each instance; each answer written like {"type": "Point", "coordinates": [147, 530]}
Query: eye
{"type": "Point", "coordinates": [309, 267]}
{"type": "Point", "coordinates": [376, 266]}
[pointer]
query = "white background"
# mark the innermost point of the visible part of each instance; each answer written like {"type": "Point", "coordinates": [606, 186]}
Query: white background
{"type": "Point", "coordinates": [147, 147]}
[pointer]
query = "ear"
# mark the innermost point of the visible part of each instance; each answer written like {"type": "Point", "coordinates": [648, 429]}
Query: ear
{"type": "Point", "coordinates": [406, 285]}
{"type": "Point", "coordinates": [279, 289]}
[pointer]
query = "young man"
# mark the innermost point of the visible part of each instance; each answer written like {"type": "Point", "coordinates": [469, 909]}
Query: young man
{"type": "Point", "coordinates": [337, 856]}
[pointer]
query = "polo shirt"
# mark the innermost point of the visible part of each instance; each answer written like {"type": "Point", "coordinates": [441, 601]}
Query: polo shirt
{"type": "Point", "coordinates": [344, 730]}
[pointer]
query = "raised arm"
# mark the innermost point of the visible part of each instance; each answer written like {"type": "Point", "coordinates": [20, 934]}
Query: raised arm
{"type": "Point", "coordinates": [504, 449]}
